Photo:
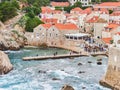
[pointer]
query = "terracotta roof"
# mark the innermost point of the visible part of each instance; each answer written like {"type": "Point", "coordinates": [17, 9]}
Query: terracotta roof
{"type": "Point", "coordinates": [46, 9]}
{"type": "Point", "coordinates": [50, 20]}
{"type": "Point", "coordinates": [75, 18]}
{"type": "Point", "coordinates": [60, 4]}
{"type": "Point", "coordinates": [86, 11]}
{"type": "Point", "coordinates": [116, 13]}
{"type": "Point", "coordinates": [118, 33]}
{"type": "Point", "coordinates": [110, 4]}
{"type": "Point", "coordinates": [68, 26]}
{"type": "Point", "coordinates": [102, 10]}
{"type": "Point", "coordinates": [56, 11]}
{"type": "Point", "coordinates": [77, 9]}
{"type": "Point", "coordinates": [107, 40]}
{"type": "Point", "coordinates": [93, 19]}
{"type": "Point", "coordinates": [67, 14]}
{"type": "Point", "coordinates": [112, 26]}
{"type": "Point", "coordinates": [46, 25]}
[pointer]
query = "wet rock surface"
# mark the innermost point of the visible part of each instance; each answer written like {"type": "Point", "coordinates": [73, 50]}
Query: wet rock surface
{"type": "Point", "coordinates": [67, 87]}
{"type": "Point", "coordinates": [5, 65]}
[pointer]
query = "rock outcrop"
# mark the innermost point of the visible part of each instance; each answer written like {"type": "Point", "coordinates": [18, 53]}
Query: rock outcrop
{"type": "Point", "coordinates": [112, 76]}
{"type": "Point", "coordinates": [5, 65]}
{"type": "Point", "coordinates": [11, 40]}
{"type": "Point", "coordinates": [67, 87]}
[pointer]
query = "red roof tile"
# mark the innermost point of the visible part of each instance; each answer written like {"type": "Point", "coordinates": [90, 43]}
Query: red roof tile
{"type": "Point", "coordinates": [47, 26]}
{"type": "Point", "coordinates": [112, 26]}
{"type": "Point", "coordinates": [77, 9]}
{"type": "Point", "coordinates": [46, 9]}
{"type": "Point", "coordinates": [102, 10]}
{"type": "Point", "coordinates": [60, 4]}
{"type": "Point", "coordinates": [86, 11]}
{"type": "Point", "coordinates": [107, 40]}
{"type": "Point", "coordinates": [68, 26]}
{"type": "Point", "coordinates": [50, 20]}
{"type": "Point", "coordinates": [118, 33]}
{"type": "Point", "coordinates": [116, 13]}
{"type": "Point", "coordinates": [110, 4]}
{"type": "Point", "coordinates": [93, 19]}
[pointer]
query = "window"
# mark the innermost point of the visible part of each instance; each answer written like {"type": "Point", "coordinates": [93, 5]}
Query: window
{"type": "Point", "coordinates": [37, 35]}
{"type": "Point", "coordinates": [85, 3]}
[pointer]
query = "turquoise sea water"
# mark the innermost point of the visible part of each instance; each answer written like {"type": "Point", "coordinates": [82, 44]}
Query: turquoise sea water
{"type": "Point", "coordinates": [38, 75]}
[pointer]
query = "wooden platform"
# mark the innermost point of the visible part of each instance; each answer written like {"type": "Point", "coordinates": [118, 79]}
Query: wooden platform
{"type": "Point", "coordinates": [52, 57]}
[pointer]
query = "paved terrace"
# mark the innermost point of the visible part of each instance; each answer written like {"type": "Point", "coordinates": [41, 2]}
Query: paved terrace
{"type": "Point", "coordinates": [78, 53]}
{"type": "Point", "coordinates": [52, 57]}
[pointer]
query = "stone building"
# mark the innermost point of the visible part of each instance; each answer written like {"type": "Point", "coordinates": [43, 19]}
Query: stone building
{"type": "Point", "coordinates": [53, 34]}
{"type": "Point", "coordinates": [112, 76]}
{"type": "Point", "coordinates": [84, 2]}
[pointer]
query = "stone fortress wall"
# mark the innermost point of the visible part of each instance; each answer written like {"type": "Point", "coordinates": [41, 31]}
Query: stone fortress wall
{"type": "Point", "coordinates": [112, 76]}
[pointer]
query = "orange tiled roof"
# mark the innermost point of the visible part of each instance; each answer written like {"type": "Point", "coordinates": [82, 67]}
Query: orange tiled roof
{"type": "Point", "coordinates": [49, 11]}
{"type": "Point", "coordinates": [60, 4]}
{"type": "Point", "coordinates": [46, 25]}
{"type": "Point", "coordinates": [67, 14]}
{"type": "Point", "coordinates": [68, 26]}
{"type": "Point", "coordinates": [93, 19]}
{"type": "Point", "coordinates": [107, 40]}
{"type": "Point", "coordinates": [77, 9]}
{"type": "Point", "coordinates": [101, 10]}
{"type": "Point", "coordinates": [86, 11]}
{"type": "Point", "coordinates": [118, 33]}
{"type": "Point", "coordinates": [56, 11]}
{"type": "Point", "coordinates": [112, 26]}
{"type": "Point", "coordinates": [110, 4]}
{"type": "Point", "coordinates": [46, 9]}
{"type": "Point", "coordinates": [116, 13]}
{"type": "Point", "coordinates": [75, 18]}
{"type": "Point", "coordinates": [50, 20]}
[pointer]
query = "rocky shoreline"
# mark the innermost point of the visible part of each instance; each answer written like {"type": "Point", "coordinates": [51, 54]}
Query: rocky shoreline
{"type": "Point", "coordinates": [5, 65]}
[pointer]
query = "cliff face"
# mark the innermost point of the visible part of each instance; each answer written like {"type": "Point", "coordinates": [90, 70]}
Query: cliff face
{"type": "Point", "coordinates": [11, 40]}
{"type": "Point", "coordinates": [112, 77]}
{"type": "Point", "coordinates": [5, 65]}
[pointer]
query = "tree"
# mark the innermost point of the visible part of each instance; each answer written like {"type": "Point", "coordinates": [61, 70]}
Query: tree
{"type": "Point", "coordinates": [30, 14]}
{"type": "Point", "coordinates": [60, 0]}
{"type": "Point", "coordinates": [110, 11]}
{"type": "Point", "coordinates": [68, 8]}
{"type": "Point", "coordinates": [7, 10]}
{"type": "Point", "coordinates": [15, 4]}
{"type": "Point", "coordinates": [78, 4]}
{"type": "Point", "coordinates": [111, 41]}
{"type": "Point", "coordinates": [36, 10]}
{"type": "Point", "coordinates": [39, 3]}
{"type": "Point", "coordinates": [33, 9]}
{"type": "Point", "coordinates": [32, 23]}
{"type": "Point", "coordinates": [58, 8]}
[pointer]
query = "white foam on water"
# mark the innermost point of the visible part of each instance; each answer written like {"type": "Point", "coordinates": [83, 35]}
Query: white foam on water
{"type": "Point", "coordinates": [61, 74]}
{"type": "Point", "coordinates": [2, 89]}
{"type": "Point", "coordinates": [47, 86]}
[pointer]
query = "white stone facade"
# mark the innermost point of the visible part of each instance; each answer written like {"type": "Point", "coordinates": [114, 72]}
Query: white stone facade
{"type": "Point", "coordinates": [84, 2]}
{"type": "Point", "coordinates": [98, 28]}
{"type": "Point", "coordinates": [40, 34]}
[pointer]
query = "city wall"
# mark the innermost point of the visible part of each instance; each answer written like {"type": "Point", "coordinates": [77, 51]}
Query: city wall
{"type": "Point", "coordinates": [112, 76]}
